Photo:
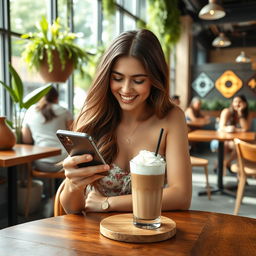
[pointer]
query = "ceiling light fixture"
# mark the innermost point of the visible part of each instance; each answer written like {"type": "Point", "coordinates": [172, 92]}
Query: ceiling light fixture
{"type": "Point", "coordinates": [221, 41]}
{"type": "Point", "coordinates": [242, 58]}
{"type": "Point", "coordinates": [212, 11]}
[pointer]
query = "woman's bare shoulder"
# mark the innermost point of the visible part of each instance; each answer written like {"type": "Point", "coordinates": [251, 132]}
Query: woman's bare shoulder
{"type": "Point", "coordinates": [175, 117]}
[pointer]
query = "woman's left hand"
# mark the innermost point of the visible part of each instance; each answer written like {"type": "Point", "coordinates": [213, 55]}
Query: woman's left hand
{"type": "Point", "coordinates": [93, 201]}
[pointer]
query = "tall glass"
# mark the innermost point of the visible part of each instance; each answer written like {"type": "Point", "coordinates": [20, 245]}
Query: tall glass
{"type": "Point", "coordinates": [147, 191]}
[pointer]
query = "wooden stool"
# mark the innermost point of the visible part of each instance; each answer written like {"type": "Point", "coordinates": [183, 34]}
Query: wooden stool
{"type": "Point", "coordinates": [196, 161]}
{"type": "Point", "coordinates": [39, 174]}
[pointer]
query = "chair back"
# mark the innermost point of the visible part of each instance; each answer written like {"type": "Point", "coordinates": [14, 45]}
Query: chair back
{"type": "Point", "coordinates": [246, 150]}
{"type": "Point", "coordinates": [58, 209]}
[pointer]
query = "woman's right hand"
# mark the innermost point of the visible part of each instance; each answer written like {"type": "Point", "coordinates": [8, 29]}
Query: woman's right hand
{"type": "Point", "coordinates": [79, 178]}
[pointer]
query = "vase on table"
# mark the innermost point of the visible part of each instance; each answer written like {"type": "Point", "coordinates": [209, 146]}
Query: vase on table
{"type": "Point", "coordinates": [7, 136]}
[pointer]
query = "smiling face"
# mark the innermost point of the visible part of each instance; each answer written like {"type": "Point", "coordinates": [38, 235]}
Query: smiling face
{"type": "Point", "coordinates": [238, 103]}
{"type": "Point", "coordinates": [130, 83]}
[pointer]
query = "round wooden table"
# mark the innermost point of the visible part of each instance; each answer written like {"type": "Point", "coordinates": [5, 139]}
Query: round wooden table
{"type": "Point", "coordinates": [198, 233]}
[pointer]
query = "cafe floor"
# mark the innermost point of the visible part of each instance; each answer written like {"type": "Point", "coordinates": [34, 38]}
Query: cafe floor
{"type": "Point", "coordinates": [218, 203]}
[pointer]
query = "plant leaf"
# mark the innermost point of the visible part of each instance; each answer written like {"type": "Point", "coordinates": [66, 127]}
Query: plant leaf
{"type": "Point", "coordinates": [36, 95]}
{"type": "Point", "coordinates": [17, 84]}
{"type": "Point", "coordinates": [11, 91]}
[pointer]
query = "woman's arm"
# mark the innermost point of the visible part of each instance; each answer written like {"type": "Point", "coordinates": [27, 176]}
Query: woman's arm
{"type": "Point", "coordinates": [224, 116]}
{"type": "Point", "coordinates": [179, 175]}
{"type": "Point", "coordinates": [27, 135]}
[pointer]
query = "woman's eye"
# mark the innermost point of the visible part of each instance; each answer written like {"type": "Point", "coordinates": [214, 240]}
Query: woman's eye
{"type": "Point", "coordinates": [138, 81]}
{"type": "Point", "coordinates": [117, 79]}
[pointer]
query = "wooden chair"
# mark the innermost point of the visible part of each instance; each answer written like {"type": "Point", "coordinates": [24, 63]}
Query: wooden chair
{"type": "Point", "coordinates": [245, 167]}
{"type": "Point", "coordinates": [58, 209]}
{"type": "Point", "coordinates": [39, 174]}
{"type": "Point", "coordinates": [201, 162]}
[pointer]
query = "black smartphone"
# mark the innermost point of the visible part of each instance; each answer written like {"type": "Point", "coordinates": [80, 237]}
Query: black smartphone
{"type": "Point", "coordinates": [79, 143]}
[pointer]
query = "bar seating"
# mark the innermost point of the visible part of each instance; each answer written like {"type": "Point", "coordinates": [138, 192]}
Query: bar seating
{"type": "Point", "coordinates": [58, 210]}
{"type": "Point", "coordinates": [201, 162]}
{"type": "Point", "coordinates": [39, 174]}
{"type": "Point", "coordinates": [245, 167]}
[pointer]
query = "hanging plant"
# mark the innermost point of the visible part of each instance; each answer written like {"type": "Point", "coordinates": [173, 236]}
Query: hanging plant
{"type": "Point", "coordinates": [164, 21]}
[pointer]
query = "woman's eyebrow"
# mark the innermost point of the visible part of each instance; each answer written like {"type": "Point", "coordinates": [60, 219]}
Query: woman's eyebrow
{"type": "Point", "coordinates": [136, 75]}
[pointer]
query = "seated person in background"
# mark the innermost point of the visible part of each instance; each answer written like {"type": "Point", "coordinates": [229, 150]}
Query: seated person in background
{"type": "Point", "coordinates": [194, 116]}
{"type": "Point", "coordinates": [176, 99]}
{"type": "Point", "coordinates": [232, 119]}
{"type": "Point", "coordinates": [40, 124]}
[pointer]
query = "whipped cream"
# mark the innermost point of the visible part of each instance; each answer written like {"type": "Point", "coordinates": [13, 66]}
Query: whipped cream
{"type": "Point", "coordinates": [147, 163]}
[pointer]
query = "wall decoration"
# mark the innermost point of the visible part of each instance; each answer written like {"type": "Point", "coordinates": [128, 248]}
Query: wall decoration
{"type": "Point", "coordinates": [252, 83]}
{"type": "Point", "coordinates": [228, 84]}
{"type": "Point", "coordinates": [202, 84]}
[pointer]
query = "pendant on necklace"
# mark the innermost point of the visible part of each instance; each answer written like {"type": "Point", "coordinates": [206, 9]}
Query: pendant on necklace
{"type": "Point", "coordinates": [128, 140]}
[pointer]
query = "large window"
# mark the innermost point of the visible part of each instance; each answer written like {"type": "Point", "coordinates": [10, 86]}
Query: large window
{"type": "Point", "coordinates": [83, 17]}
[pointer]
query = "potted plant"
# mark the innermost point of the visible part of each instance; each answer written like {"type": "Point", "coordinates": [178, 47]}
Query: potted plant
{"type": "Point", "coordinates": [20, 103]}
{"type": "Point", "coordinates": [51, 51]}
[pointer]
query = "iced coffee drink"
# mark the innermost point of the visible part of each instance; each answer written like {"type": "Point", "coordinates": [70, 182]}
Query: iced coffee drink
{"type": "Point", "coordinates": [148, 175]}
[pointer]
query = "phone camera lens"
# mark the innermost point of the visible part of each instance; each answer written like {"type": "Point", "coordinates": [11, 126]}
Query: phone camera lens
{"type": "Point", "coordinates": [69, 141]}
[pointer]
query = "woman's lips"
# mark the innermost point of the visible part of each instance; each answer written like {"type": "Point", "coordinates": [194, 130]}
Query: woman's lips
{"type": "Point", "coordinates": [127, 99]}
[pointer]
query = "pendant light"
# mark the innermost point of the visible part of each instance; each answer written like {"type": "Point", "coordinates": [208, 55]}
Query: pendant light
{"type": "Point", "coordinates": [221, 41]}
{"type": "Point", "coordinates": [212, 11]}
{"type": "Point", "coordinates": [242, 58]}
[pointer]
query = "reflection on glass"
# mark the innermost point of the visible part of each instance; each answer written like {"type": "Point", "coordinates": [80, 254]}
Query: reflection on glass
{"type": "Point", "coordinates": [109, 31]}
{"type": "Point", "coordinates": [63, 11]}
{"type": "Point", "coordinates": [129, 23]}
{"type": "Point", "coordinates": [142, 9]}
{"type": "Point", "coordinates": [85, 22]}
{"type": "Point", "coordinates": [130, 5]}
{"type": "Point", "coordinates": [25, 13]}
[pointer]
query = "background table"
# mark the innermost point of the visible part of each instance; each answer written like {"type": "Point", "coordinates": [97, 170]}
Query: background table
{"type": "Point", "coordinates": [20, 154]}
{"type": "Point", "coordinates": [208, 135]}
{"type": "Point", "coordinates": [198, 233]}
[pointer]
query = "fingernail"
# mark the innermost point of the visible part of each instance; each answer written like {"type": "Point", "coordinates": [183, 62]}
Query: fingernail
{"type": "Point", "coordinates": [106, 167]}
{"type": "Point", "coordinates": [88, 157]}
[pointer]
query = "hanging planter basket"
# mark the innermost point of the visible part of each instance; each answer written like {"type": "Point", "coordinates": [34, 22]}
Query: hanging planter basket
{"type": "Point", "coordinates": [57, 75]}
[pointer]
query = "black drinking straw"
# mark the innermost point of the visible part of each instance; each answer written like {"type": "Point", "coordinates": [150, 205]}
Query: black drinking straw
{"type": "Point", "coordinates": [159, 141]}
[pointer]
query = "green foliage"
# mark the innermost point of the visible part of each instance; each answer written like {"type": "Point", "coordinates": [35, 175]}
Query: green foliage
{"type": "Point", "coordinates": [252, 105]}
{"type": "Point", "coordinates": [164, 21]}
{"type": "Point", "coordinates": [49, 38]}
{"type": "Point", "coordinates": [108, 7]}
{"type": "Point", "coordinates": [21, 103]}
{"type": "Point", "coordinates": [215, 104]}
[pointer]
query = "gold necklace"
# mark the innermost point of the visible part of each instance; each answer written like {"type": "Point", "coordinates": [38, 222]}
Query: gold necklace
{"type": "Point", "coordinates": [129, 139]}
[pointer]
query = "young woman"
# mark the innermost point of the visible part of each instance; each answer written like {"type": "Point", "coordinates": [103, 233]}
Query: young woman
{"type": "Point", "coordinates": [193, 114]}
{"type": "Point", "coordinates": [234, 118]}
{"type": "Point", "coordinates": [41, 122]}
{"type": "Point", "coordinates": [127, 105]}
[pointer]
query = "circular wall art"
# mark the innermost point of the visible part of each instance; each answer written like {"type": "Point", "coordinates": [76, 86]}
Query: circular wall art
{"type": "Point", "coordinates": [228, 84]}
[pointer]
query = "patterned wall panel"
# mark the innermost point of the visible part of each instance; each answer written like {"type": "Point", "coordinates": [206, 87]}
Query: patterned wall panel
{"type": "Point", "coordinates": [202, 85]}
{"type": "Point", "coordinates": [252, 83]}
{"type": "Point", "coordinates": [228, 84]}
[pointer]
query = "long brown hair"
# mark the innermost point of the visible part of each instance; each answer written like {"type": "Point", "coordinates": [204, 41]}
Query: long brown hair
{"type": "Point", "coordinates": [101, 112]}
{"type": "Point", "coordinates": [45, 104]}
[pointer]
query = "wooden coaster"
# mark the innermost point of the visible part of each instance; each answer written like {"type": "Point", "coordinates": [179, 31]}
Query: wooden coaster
{"type": "Point", "coordinates": [120, 227]}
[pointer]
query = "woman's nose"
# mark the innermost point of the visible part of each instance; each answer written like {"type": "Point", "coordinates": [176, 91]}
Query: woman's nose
{"type": "Point", "coordinates": [126, 86]}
